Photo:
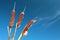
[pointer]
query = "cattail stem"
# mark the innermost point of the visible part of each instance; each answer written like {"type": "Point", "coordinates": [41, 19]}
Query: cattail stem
{"type": "Point", "coordinates": [14, 34]}
{"type": "Point", "coordinates": [20, 37]}
{"type": "Point", "coordinates": [9, 31]}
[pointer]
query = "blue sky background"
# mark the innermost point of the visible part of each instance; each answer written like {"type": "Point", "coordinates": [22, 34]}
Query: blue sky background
{"type": "Point", "coordinates": [46, 12]}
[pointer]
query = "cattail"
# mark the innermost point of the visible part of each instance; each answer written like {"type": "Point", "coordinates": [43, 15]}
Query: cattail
{"type": "Point", "coordinates": [12, 17]}
{"type": "Point", "coordinates": [11, 22]}
{"type": "Point", "coordinates": [20, 18]}
{"type": "Point", "coordinates": [27, 26]}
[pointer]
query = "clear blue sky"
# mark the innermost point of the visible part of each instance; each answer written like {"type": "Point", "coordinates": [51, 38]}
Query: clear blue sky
{"type": "Point", "coordinates": [47, 26]}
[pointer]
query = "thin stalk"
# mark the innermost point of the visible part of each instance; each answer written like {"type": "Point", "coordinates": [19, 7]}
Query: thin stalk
{"type": "Point", "coordinates": [9, 31]}
{"type": "Point", "coordinates": [14, 34]}
{"type": "Point", "coordinates": [20, 37]}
